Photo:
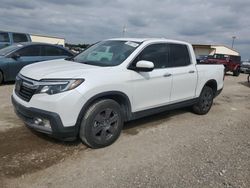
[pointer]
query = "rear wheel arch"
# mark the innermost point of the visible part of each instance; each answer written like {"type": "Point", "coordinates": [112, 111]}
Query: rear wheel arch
{"type": "Point", "coordinates": [236, 71]}
{"type": "Point", "coordinates": [205, 101]}
{"type": "Point", "coordinates": [212, 84]}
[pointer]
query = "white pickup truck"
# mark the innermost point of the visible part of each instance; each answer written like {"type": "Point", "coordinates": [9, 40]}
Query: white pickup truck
{"type": "Point", "coordinates": [91, 98]}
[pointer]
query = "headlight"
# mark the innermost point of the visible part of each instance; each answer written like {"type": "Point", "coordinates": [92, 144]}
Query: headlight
{"type": "Point", "coordinates": [57, 86]}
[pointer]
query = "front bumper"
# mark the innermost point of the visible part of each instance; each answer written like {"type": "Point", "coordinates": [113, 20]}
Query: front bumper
{"type": "Point", "coordinates": [57, 129]}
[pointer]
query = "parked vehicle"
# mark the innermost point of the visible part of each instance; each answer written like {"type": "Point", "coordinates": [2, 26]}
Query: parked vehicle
{"type": "Point", "coordinates": [231, 62]}
{"type": "Point", "coordinates": [201, 58]}
{"type": "Point", "coordinates": [245, 67]}
{"type": "Point", "coordinates": [13, 58]}
{"type": "Point", "coordinates": [9, 38]}
{"type": "Point", "coordinates": [91, 99]}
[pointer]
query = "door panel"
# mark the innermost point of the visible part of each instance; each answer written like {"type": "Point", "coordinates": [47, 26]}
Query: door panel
{"type": "Point", "coordinates": [184, 83]}
{"type": "Point", "coordinates": [16, 65]}
{"type": "Point", "coordinates": [183, 71]}
{"type": "Point", "coordinates": [151, 89]}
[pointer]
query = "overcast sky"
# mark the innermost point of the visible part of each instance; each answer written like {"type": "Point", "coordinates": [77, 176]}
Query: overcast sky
{"type": "Point", "coordinates": [88, 21]}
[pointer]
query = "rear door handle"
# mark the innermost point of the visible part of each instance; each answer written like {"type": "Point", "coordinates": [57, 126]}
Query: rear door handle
{"type": "Point", "coordinates": [191, 71]}
{"type": "Point", "coordinates": [167, 75]}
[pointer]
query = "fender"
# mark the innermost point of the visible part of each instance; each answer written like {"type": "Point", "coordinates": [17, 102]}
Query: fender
{"type": "Point", "coordinates": [118, 96]}
{"type": "Point", "coordinates": [236, 67]}
{"type": "Point", "coordinates": [213, 84]}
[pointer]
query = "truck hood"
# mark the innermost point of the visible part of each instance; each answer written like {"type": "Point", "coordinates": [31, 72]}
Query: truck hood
{"type": "Point", "coordinates": [59, 68]}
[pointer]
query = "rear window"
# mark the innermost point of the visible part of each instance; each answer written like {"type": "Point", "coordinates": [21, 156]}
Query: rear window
{"type": "Point", "coordinates": [17, 37]}
{"type": "Point", "coordinates": [54, 51]}
{"type": "Point", "coordinates": [4, 37]}
{"type": "Point", "coordinates": [236, 58]}
{"type": "Point", "coordinates": [30, 51]}
{"type": "Point", "coordinates": [233, 58]}
{"type": "Point", "coordinates": [10, 49]}
{"type": "Point", "coordinates": [178, 55]}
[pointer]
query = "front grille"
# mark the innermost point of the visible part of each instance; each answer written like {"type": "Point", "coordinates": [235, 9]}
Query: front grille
{"type": "Point", "coordinates": [25, 88]}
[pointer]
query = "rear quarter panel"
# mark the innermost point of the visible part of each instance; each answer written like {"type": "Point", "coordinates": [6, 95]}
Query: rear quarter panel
{"type": "Point", "coordinates": [209, 72]}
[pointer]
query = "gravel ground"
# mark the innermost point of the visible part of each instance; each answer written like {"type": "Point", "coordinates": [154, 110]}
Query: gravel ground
{"type": "Point", "coordinates": [172, 149]}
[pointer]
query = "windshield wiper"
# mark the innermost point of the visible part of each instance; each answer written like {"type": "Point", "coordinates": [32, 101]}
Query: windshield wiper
{"type": "Point", "coordinates": [88, 63]}
{"type": "Point", "coordinates": [70, 59]}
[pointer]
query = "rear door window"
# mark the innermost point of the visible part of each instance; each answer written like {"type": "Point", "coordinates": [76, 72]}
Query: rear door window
{"type": "Point", "coordinates": [29, 51]}
{"type": "Point", "coordinates": [179, 55]}
{"type": "Point", "coordinates": [17, 37]}
{"type": "Point", "coordinates": [4, 37]}
{"type": "Point", "coordinates": [52, 51]}
{"type": "Point", "coordinates": [65, 53]}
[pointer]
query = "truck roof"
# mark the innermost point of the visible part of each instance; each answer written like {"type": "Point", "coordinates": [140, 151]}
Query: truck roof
{"type": "Point", "coordinates": [150, 40]}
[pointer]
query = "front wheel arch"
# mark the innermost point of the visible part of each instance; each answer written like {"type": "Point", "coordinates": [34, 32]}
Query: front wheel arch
{"type": "Point", "coordinates": [97, 129]}
{"type": "Point", "coordinates": [121, 98]}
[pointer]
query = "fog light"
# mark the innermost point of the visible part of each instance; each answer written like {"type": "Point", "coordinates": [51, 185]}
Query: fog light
{"type": "Point", "coordinates": [42, 122]}
{"type": "Point", "coordinates": [38, 121]}
{"type": "Point", "coordinates": [46, 123]}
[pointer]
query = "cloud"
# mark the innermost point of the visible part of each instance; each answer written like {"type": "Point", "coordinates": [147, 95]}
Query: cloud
{"type": "Point", "coordinates": [84, 21]}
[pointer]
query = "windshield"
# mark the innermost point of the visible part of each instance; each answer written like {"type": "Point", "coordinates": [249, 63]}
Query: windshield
{"type": "Point", "coordinates": [10, 49]}
{"type": "Point", "coordinates": [107, 53]}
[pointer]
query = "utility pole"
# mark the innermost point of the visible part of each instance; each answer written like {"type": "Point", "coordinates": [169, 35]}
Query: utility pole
{"type": "Point", "coordinates": [233, 37]}
{"type": "Point", "coordinates": [124, 29]}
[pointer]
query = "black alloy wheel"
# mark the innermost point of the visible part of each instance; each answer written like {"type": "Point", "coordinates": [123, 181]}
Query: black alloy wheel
{"type": "Point", "coordinates": [101, 124]}
{"type": "Point", "coordinates": [205, 101]}
{"type": "Point", "coordinates": [236, 72]}
{"type": "Point", "coordinates": [105, 125]}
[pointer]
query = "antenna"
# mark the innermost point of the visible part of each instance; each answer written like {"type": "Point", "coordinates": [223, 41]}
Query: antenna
{"type": "Point", "coordinates": [233, 37]}
{"type": "Point", "coordinates": [124, 29]}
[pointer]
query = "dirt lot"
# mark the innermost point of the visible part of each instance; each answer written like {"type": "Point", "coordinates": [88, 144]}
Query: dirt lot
{"type": "Point", "coordinates": [172, 149]}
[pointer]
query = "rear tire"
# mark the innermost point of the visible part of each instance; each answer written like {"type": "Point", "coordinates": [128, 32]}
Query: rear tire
{"type": "Point", "coordinates": [1, 78]}
{"type": "Point", "coordinates": [236, 72]}
{"type": "Point", "coordinates": [102, 124]}
{"type": "Point", "coordinates": [205, 101]}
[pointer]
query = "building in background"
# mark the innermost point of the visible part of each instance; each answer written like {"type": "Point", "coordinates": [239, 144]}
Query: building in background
{"type": "Point", "coordinates": [47, 39]}
{"type": "Point", "coordinates": [9, 37]}
{"type": "Point", "coordinates": [205, 50]}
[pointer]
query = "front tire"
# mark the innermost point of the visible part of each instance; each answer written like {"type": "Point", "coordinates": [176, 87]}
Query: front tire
{"type": "Point", "coordinates": [205, 101]}
{"type": "Point", "coordinates": [102, 124]}
{"type": "Point", "coordinates": [236, 72]}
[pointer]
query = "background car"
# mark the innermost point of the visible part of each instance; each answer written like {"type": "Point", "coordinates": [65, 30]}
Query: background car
{"type": "Point", "coordinates": [231, 62]}
{"type": "Point", "coordinates": [245, 67]}
{"type": "Point", "coordinates": [9, 38]}
{"type": "Point", "coordinates": [13, 58]}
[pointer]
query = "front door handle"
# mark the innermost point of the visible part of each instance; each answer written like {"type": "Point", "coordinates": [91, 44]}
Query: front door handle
{"type": "Point", "coordinates": [167, 75]}
{"type": "Point", "coordinates": [191, 71]}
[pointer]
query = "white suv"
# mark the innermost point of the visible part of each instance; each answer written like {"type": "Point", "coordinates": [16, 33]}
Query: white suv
{"type": "Point", "coordinates": [91, 97]}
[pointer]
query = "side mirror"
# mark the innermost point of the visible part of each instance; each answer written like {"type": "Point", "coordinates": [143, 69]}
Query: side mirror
{"type": "Point", "coordinates": [15, 56]}
{"type": "Point", "coordinates": [144, 66]}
